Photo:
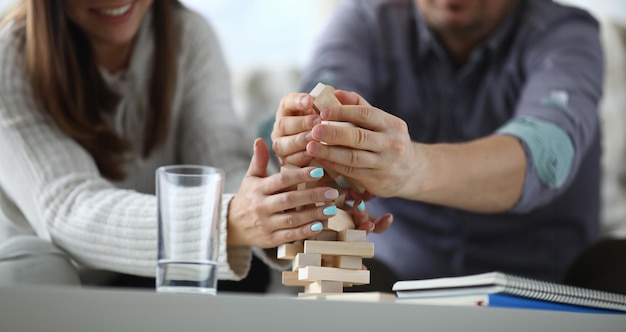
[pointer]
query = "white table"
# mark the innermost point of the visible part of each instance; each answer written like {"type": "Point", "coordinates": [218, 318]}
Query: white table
{"type": "Point", "coordinates": [92, 310]}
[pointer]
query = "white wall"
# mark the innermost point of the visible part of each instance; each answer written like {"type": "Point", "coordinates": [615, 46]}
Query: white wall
{"type": "Point", "coordinates": [613, 9]}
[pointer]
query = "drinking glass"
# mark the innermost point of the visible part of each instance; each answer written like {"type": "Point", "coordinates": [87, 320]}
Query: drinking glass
{"type": "Point", "coordinates": [189, 199]}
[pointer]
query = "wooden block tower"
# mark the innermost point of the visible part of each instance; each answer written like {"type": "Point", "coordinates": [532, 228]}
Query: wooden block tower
{"type": "Point", "coordinates": [331, 260]}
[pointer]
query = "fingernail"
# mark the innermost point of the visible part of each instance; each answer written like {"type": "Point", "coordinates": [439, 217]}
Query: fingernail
{"type": "Point", "coordinates": [317, 121]}
{"type": "Point", "coordinates": [304, 101]}
{"type": "Point", "coordinates": [308, 136]}
{"type": "Point", "coordinates": [331, 194]}
{"type": "Point", "coordinates": [317, 173]}
{"type": "Point", "coordinates": [317, 226]}
{"type": "Point", "coordinates": [330, 210]}
{"type": "Point", "coordinates": [361, 206]}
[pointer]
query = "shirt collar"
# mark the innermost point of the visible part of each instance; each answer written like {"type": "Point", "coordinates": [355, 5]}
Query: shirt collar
{"type": "Point", "coordinates": [426, 40]}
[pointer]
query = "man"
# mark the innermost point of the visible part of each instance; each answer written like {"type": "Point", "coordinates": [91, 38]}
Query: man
{"type": "Point", "coordinates": [483, 137]}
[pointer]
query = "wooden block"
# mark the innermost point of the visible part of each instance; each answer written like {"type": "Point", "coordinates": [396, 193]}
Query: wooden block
{"type": "Point", "coordinates": [340, 201]}
{"type": "Point", "coordinates": [304, 185]}
{"type": "Point", "coordinates": [323, 96]}
{"type": "Point", "coordinates": [290, 278]}
{"type": "Point", "coordinates": [328, 260]}
{"type": "Point", "coordinates": [340, 221]}
{"type": "Point", "coordinates": [327, 235]}
{"type": "Point", "coordinates": [289, 250]}
{"type": "Point", "coordinates": [352, 296]}
{"type": "Point", "coordinates": [303, 259]}
{"type": "Point", "coordinates": [352, 235]}
{"type": "Point", "coordinates": [348, 262]}
{"type": "Point", "coordinates": [324, 286]}
{"type": "Point", "coordinates": [339, 123]}
{"type": "Point", "coordinates": [338, 248]}
{"type": "Point", "coordinates": [317, 273]}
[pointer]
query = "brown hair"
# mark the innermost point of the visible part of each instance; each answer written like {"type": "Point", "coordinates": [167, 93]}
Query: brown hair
{"type": "Point", "coordinates": [66, 79]}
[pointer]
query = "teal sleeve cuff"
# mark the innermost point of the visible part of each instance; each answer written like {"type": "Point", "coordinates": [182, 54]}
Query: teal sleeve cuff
{"type": "Point", "coordinates": [550, 148]}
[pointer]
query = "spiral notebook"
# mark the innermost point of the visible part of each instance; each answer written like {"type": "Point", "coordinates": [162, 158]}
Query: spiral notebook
{"type": "Point", "coordinates": [502, 283]}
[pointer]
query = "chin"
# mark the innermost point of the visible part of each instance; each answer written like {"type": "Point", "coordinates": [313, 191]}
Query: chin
{"type": "Point", "coordinates": [117, 38]}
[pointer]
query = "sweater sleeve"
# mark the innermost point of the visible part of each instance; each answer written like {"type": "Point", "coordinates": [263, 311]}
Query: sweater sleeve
{"type": "Point", "coordinates": [56, 185]}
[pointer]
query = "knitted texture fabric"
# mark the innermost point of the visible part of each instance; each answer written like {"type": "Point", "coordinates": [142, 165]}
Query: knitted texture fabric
{"type": "Point", "coordinates": [50, 186]}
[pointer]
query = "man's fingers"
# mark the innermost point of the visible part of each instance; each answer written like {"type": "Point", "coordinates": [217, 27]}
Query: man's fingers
{"type": "Point", "coordinates": [287, 145]}
{"type": "Point", "coordinates": [350, 98]}
{"type": "Point", "coordinates": [297, 233]}
{"type": "Point", "coordinates": [301, 159]}
{"type": "Point", "coordinates": [350, 159]}
{"type": "Point", "coordinates": [295, 124]}
{"type": "Point", "coordinates": [295, 104]}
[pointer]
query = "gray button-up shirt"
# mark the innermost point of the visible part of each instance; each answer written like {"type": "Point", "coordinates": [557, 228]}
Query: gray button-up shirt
{"type": "Point", "coordinates": [538, 78]}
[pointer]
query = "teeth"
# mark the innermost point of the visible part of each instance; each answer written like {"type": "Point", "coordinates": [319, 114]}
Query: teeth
{"type": "Point", "coordinates": [115, 11]}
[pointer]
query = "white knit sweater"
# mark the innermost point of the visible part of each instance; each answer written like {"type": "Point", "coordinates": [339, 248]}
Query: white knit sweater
{"type": "Point", "coordinates": [50, 186]}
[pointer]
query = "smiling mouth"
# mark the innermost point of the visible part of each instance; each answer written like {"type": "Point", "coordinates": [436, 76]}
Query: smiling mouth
{"type": "Point", "coordinates": [114, 12]}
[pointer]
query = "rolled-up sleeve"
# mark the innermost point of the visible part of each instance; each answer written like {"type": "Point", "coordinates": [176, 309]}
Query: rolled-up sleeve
{"type": "Point", "coordinates": [556, 117]}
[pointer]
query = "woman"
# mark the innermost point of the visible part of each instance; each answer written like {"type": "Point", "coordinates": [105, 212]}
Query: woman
{"type": "Point", "coordinates": [94, 96]}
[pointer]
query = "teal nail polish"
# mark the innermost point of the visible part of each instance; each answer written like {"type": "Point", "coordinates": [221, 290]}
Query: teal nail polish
{"type": "Point", "coordinates": [330, 210]}
{"type": "Point", "coordinates": [317, 226]}
{"type": "Point", "coordinates": [361, 206]}
{"type": "Point", "coordinates": [317, 173]}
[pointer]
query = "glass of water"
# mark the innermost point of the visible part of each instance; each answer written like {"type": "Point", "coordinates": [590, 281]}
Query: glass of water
{"type": "Point", "coordinates": [189, 206]}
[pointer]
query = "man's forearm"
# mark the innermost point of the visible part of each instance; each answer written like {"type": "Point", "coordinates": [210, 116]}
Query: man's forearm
{"type": "Point", "coordinates": [485, 175]}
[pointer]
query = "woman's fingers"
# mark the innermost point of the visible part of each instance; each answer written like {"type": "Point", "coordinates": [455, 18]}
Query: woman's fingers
{"type": "Point", "coordinates": [296, 233]}
{"type": "Point", "coordinates": [296, 217]}
{"type": "Point", "coordinates": [382, 223]}
{"type": "Point", "coordinates": [291, 125]}
{"type": "Point", "coordinates": [295, 103]}
{"type": "Point", "coordinates": [289, 177]}
{"type": "Point", "coordinates": [364, 221]}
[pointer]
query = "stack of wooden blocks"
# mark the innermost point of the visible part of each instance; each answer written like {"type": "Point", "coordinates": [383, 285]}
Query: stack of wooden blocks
{"type": "Point", "coordinates": [332, 260]}
{"type": "Point", "coordinates": [329, 262]}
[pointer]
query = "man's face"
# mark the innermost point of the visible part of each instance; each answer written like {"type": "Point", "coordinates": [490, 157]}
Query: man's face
{"type": "Point", "coordinates": [463, 16]}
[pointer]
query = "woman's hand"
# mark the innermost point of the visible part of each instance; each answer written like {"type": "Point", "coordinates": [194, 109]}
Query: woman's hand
{"type": "Point", "coordinates": [364, 221]}
{"type": "Point", "coordinates": [263, 213]}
